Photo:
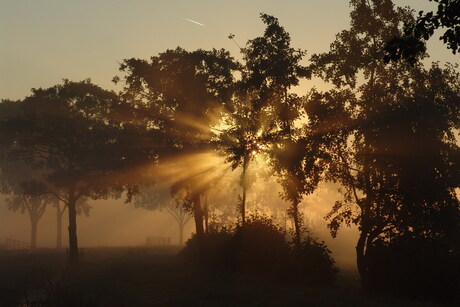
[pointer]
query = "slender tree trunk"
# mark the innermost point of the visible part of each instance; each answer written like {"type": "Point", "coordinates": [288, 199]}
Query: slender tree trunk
{"type": "Point", "coordinates": [33, 232]}
{"type": "Point", "coordinates": [245, 186]}
{"type": "Point", "coordinates": [361, 260]}
{"type": "Point", "coordinates": [198, 215]}
{"type": "Point", "coordinates": [206, 212]}
{"type": "Point", "coordinates": [73, 244]}
{"type": "Point", "coordinates": [181, 234]}
{"type": "Point", "coordinates": [297, 225]}
{"type": "Point", "coordinates": [59, 226]}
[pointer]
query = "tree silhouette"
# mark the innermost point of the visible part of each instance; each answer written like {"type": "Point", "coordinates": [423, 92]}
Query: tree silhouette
{"type": "Point", "coordinates": [30, 198]}
{"type": "Point", "coordinates": [24, 186]}
{"type": "Point", "coordinates": [264, 111]}
{"type": "Point", "coordinates": [180, 215]}
{"type": "Point", "coordinates": [179, 94]}
{"type": "Point", "coordinates": [66, 131]}
{"type": "Point", "coordinates": [179, 207]}
{"type": "Point", "coordinates": [399, 122]}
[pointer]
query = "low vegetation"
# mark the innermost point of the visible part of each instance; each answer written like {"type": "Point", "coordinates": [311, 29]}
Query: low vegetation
{"type": "Point", "coordinates": [140, 276]}
{"type": "Point", "coordinates": [261, 248]}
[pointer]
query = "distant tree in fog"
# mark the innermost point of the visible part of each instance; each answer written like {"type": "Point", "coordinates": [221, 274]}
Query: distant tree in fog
{"type": "Point", "coordinates": [181, 216]}
{"type": "Point", "coordinates": [31, 198]}
{"type": "Point", "coordinates": [177, 204]}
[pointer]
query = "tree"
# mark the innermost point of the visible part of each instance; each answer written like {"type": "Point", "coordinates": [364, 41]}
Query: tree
{"type": "Point", "coordinates": [412, 43]}
{"type": "Point", "coordinates": [180, 215]}
{"type": "Point", "coordinates": [262, 116]}
{"type": "Point", "coordinates": [179, 96]}
{"type": "Point", "coordinates": [30, 197]}
{"type": "Point", "coordinates": [156, 198]}
{"type": "Point", "coordinates": [69, 132]}
{"type": "Point", "coordinates": [358, 50]}
{"type": "Point", "coordinates": [25, 187]}
{"type": "Point", "coordinates": [399, 123]}
{"type": "Point", "coordinates": [82, 207]}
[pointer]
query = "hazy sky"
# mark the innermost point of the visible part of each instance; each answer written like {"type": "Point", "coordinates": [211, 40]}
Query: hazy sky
{"type": "Point", "coordinates": [44, 41]}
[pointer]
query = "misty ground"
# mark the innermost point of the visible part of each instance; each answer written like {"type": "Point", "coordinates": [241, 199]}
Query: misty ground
{"type": "Point", "coordinates": [138, 276]}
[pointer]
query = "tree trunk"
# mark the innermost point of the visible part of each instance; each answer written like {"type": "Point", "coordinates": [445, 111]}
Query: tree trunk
{"type": "Point", "coordinates": [181, 234]}
{"type": "Point", "coordinates": [206, 212]}
{"type": "Point", "coordinates": [73, 244]}
{"type": "Point", "coordinates": [33, 232]}
{"type": "Point", "coordinates": [297, 225]}
{"type": "Point", "coordinates": [198, 215]}
{"type": "Point", "coordinates": [245, 186]}
{"type": "Point", "coordinates": [58, 226]}
{"type": "Point", "coordinates": [361, 260]}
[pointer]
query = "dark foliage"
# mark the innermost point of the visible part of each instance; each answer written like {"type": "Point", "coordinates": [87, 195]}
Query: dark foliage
{"type": "Point", "coordinates": [416, 267]}
{"type": "Point", "coordinates": [312, 264]}
{"type": "Point", "coordinates": [210, 250]}
{"type": "Point", "coordinates": [261, 248]}
{"type": "Point", "coordinates": [412, 43]}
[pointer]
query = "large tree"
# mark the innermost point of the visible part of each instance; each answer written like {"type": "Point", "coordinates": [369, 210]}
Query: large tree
{"type": "Point", "coordinates": [261, 119]}
{"type": "Point", "coordinates": [179, 96]}
{"type": "Point", "coordinates": [398, 163]}
{"type": "Point", "coordinates": [70, 133]}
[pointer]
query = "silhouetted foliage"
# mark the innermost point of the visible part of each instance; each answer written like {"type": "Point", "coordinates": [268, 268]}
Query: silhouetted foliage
{"type": "Point", "coordinates": [210, 250]}
{"type": "Point", "coordinates": [178, 95]}
{"type": "Point", "coordinates": [68, 133]}
{"type": "Point", "coordinates": [261, 248]}
{"type": "Point", "coordinates": [412, 43]}
{"type": "Point", "coordinates": [270, 69]}
{"type": "Point", "coordinates": [399, 164]}
{"type": "Point", "coordinates": [312, 264]}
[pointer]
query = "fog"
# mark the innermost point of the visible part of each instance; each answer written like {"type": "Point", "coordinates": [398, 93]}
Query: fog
{"type": "Point", "coordinates": [113, 222]}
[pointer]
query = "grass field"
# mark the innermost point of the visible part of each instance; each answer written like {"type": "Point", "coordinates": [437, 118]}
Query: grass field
{"type": "Point", "coordinates": [157, 277]}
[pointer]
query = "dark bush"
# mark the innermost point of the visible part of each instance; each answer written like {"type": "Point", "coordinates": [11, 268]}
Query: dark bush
{"type": "Point", "coordinates": [312, 264]}
{"type": "Point", "coordinates": [212, 250]}
{"type": "Point", "coordinates": [260, 247]}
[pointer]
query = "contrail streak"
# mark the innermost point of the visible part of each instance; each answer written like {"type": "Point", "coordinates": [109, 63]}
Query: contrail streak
{"type": "Point", "coordinates": [195, 22]}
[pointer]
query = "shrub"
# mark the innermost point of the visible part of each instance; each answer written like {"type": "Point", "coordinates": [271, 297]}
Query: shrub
{"type": "Point", "coordinates": [212, 250]}
{"type": "Point", "coordinates": [260, 247]}
{"type": "Point", "coordinates": [312, 264]}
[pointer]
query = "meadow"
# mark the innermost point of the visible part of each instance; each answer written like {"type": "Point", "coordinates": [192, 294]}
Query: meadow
{"type": "Point", "coordinates": [141, 276]}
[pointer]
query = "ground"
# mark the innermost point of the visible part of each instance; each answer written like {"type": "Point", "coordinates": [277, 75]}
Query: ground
{"type": "Point", "coordinates": [138, 276]}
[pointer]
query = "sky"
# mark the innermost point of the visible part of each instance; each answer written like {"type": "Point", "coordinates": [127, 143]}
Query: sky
{"type": "Point", "coordinates": [45, 41]}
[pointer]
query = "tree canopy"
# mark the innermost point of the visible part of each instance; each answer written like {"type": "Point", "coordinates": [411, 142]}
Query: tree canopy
{"type": "Point", "coordinates": [412, 43]}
